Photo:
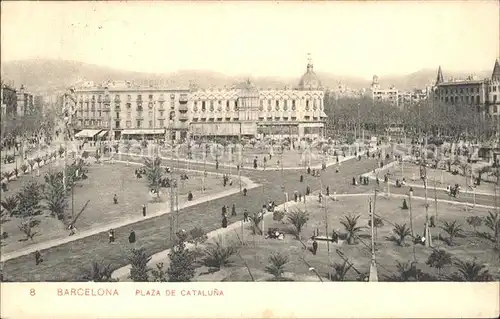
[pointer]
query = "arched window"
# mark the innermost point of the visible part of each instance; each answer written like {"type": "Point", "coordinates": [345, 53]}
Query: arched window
{"type": "Point", "coordinates": [211, 106]}
{"type": "Point", "coordinates": [307, 105]}
{"type": "Point", "coordinates": [277, 105]}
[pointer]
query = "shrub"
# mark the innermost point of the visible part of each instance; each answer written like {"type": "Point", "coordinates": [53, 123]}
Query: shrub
{"type": "Point", "coordinates": [217, 255]}
{"type": "Point", "coordinates": [277, 262]}
{"type": "Point", "coordinates": [182, 261]}
{"type": "Point", "coordinates": [97, 272]}
{"type": "Point", "coordinates": [139, 261]}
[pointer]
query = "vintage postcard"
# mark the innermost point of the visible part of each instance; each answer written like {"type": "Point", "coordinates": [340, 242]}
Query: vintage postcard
{"type": "Point", "coordinates": [250, 159]}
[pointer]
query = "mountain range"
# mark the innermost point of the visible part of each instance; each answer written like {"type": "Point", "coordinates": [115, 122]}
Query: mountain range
{"type": "Point", "coordinates": [47, 75]}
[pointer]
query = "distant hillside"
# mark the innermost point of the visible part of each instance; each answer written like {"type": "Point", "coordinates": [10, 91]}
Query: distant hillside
{"type": "Point", "coordinates": [51, 75]}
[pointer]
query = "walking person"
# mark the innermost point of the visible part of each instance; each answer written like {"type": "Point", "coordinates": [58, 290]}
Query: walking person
{"type": "Point", "coordinates": [144, 210]}
{"type": "Point", "coordinates": [244, 192]}
{"type": "Point", "coordinates": [224, 222]}
{"type": "Point", "coordinates": [233, 210]}
{"type": "Point", "coordinates": [224, 210]}
{"type": "Point", "coordinates": [314, 247]}
{"type": "Point", "coordinates": [115, 199]}
{"type": "Point", "coordinates": [131, 237]}
{"type": "Point", "coordinates": [245, 216]}
{"type": "Point", "coordinates": [38, 258]}
{"type": "Point", "coordinates": [111, 235]}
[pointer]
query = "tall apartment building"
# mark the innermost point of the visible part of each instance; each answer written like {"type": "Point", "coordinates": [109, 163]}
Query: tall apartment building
{"type": "Point", "coordinates": [378, 94]}
{"type": "Point", "coordinates": [483, 95]}
{"type": "Point", "coordinates": [25, 102]}
{"type": "Point", "coordinates": [135, 111]}
{"type": "Point", "coordinates": [8, 99]}
{"type": "Point", "coordinates": [409, 98]}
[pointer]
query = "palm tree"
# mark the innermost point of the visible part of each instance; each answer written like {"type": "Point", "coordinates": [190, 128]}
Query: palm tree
{"type": "Point", "coordinates": [277, 265]}
{"type": "Point", "coordinates": [474, 221]}
{"type": "Point", "coordinates": [7, 176]}
{"type": "Point", "coordinates": [400, 232]}
{"type": "Point", "coordinates": [55, 197]}
{"type": "Point", "coordinates": [406, 271]}
{"type": "Point", "coordinates": [492, 221]}
{"type": "Point", "coordinates": [10, 204]}
{"type": "Point", "coordinates": [154, 173]}
{"type": "Point", "coordinates": [349, 222]}
{"type": "Point", "coordinates": [217, 255]}
{"type": "Point", "coordinates": [298, 219]}
{"type": "Point", "coordinates": [340, 271]}
{"type": "Point", "coordinates": [98, 272]}
{"type": "Point", "coordinates": [471, 271]}
{"type": "Point", "coordinates": [377, 223]}
{"type": "Point", "coordinates": [439, 259]}
{"type": "Point", "coordinates": [452, 229]}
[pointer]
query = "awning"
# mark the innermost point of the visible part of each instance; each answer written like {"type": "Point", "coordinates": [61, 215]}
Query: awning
{"type": "Point", "coordinates": [87, 133]}
{"type": "Point", "coordinates": [158, 131]}
{"type": "Point", "coordinates": [101, 135]}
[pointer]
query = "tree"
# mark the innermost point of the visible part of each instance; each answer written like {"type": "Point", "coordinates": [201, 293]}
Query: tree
{"type": "Point", "coordinates": [340, 271]}
{"type": "Point", "coordinates": [55, 196]}
{"type": "Point", "coordinates": [377, 223]}
{"type": "Point", "coordinates": [474, 221]}
{"type": "Point", "coordinates": [276, 267]}
{"type": "Point", "coordinates": [7, 175]}
{"type": "Point", "coordinates": [256, 218]}
{"type": "Point", "coordinates": [217, 255]}
{"type": "Point", "coordinates": [159, 274]}
{"type": "Point", "coordinates": [154, 173]}
{"type": "Point", "coordinates": [139, 265]}
{"type": "Point", "coordinates": [453, 230]}
{"type": "Point", "coordinates": [492, 221]}
{"type": "Point", "coordinates": [298, 219]}
{"type": "Point", "coordinates": [27, 226]}
{"type": "Point", "coordinates": [350, 224]}
{"type": "Point", "coordinates": [182, 261]}
{"type": "Point", "coordinates": [10, 204]}
{"type": "Point", "coordinates": [439, 259]}
{"type": "Point", "coordinates": [98, 272]}
{"type": "Point", "coordinates": [29, 199]}
{"type": "Point", "coordinates": [400, 233]}
{"type": "Point", "coordinates": [471, 271]}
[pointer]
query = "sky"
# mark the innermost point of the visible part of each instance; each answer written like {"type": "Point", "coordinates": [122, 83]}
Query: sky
{"type": "Point", "coordinates": [257, 38]}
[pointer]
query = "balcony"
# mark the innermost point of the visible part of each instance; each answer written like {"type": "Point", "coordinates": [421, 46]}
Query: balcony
{"type": "Point", "coordinates": [183, 117]}
{"type": "Point", "coordinates": [183, 108]}
{"type": "Point", "coordinates": [117, 99]}
{"type": "Point", "coordinates": [183, 98]}
{"type": "Point", "coordinates": [161, 98]}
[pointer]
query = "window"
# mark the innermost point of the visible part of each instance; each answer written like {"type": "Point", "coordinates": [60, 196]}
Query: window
{"type": "Point", "coordinates": [268, 103]}
{"type": "Point", "coordinates": [307, 105]}
{"type": "Point", "coordinates": [211, 106]}
{"type": "Point", "coordinates": [150, 123]}
{"type": "Point", "coordinates": [161, 113]}
{"type": "Point", "coordinates": [446, 99]}
{"type": "Point", "coordinates": [161, 122]}
{"type": "Point", "coordinates": [117, 114]}
{"type": "Point", "coordinates": [117, 124]}
{"type": "Point", "coordinates": [151, 96]}
{"type": "Point", "coordinates": [219, 108]}
{"type": "Point", "coordinates": [236, 105]}
{"type": "Point", "coordinates": [285, 105]}
{"type": "Point", "coordinates": [203, 107]}
{"type": "Point", "coordinates": [269, 108]}
{"type": "Point", "coordinates": [495, 108]}
{"type": "Point", "coordinates": [494, 88]}
{"type": "Point", "coordinates": [99, 112]}
{"type": "Point", "coordinates": [277, 105]}
{"type": "Point", "coordinates": [293, 105]}
{"type": "Point", "coordinates": [150, 113]}
{"type": "Point", "coordinates": [315, 104]}
{"type": "Point", "coordinates": [139, 97]}
{"type": "Point", "coordinates": [494, 98]}
{"type": "Point", "coordinates": [139, 123]}
{"type": "Point", "coordinates": [128, 124]}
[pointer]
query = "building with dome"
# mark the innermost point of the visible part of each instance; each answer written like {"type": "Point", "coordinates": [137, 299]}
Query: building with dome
{"type": "Point", "coordinates": [179, 113]}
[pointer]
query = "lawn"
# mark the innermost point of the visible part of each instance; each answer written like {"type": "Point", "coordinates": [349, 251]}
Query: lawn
{"type": "Point", "coordinates": [256, 250]}
{"type": "Point", "coordinates": [412, 174]}
{"type": "Point", "coordinates": [104, 181]}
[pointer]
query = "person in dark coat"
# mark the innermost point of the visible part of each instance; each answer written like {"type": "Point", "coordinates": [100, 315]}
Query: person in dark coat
{"type": "Point", "coordinates": [432, 222]}
{"type": "Point", "coordinates": [335, 237]}
{"type": "Point", "coordinates": [224, 222]}
{"type": "Point", "coordinates": [328, 191]}
{"type": "Point", "coordinates": [190, 196]}
{"type": "Point", "coordinates": [315, 247]}
{"type": "Point", "coordinates": [224, 211]}
{"type": "Point", "coordinates": [115, 199]}
{"type": "Point", "coordinates": [295, 197]}
{"type": "Point", "coordinates": [38, 258]}
{"type": "Point", "coordinates": [217, 164]}
{"type": "Point", "coordinates": [245, 216]}
{"type": "Point", "coordinates": [111, 235]}
{"type": "Point", "coordinates": [255, 163]}
{"type": "Point", "coordinates": [354, 181]}
{"type": "Point", "coordinates": [233, 210]}
{"type": "Point", "coordinates": [308, 170]}
{"type": "Point", "coordinates": [244, 192]}
{"type": "Point", "coordinates": [308, 190]}
{"type": "Point", "coordinates": [300, 197]}
{"type": "Point", "coordinates": [144, 210]}
{"type": "Point", "coordinates": [301, 178]}
{"type": "Point", "coordinates": [131, 237]}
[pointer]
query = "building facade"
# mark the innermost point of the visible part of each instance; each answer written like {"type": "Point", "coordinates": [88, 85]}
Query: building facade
{"type": "Point", "coordinates": [136, 111]}
{"type": "Point", "coordinates": [481, 94]}
{"type": "Point", "coordinates": [8, 99]}
{"type": "Point", "coordinates": [376, 93]}
{"type": "Point", "coordinates": [25, 102]}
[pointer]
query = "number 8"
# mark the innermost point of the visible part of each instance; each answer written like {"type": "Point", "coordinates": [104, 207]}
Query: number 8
{"type": "Point", "coordinates": [32, 292]}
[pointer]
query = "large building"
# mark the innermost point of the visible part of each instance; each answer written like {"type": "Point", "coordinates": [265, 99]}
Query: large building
{"type": "Point", "coordinates": [25, 103]}
{"type": "Point", "coordinates": [8, 99]}
{"type": "Point", "coordinates": [482, 94]}
{"type": "Point", "coordinates": [135, 111]}
{"type": "Point", "coordinates": [376, 93]}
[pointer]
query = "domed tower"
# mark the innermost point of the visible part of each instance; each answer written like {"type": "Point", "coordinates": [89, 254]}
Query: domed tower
{"type": "Point", "coordinates": [310, 81]}
{"type": "Point", "coordinates": [375, 83]}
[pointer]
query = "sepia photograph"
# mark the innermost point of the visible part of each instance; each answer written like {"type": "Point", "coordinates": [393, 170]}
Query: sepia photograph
{"type": "Point", "coordinates": [220, 151]}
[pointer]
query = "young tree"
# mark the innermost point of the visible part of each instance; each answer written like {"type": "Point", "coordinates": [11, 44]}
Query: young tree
{"type": "Point", "coordinates": [256, 219]}
{"type": "Point", "coordinates": [276, 267]}
{"type": "Point", "coordinates": [439, 259]}
{"type": "Point", "coordinates": [340, 271]}
{"type": "Point", "coordinates": [453, 230]}
{"type": "Point", "coordinates": [29, 199]}
{"type": "Point", "coordinates": [97, 272]}
{"type": "Point", "coordinates": [400, 233]}
{"type": "Point", "coordinates": [27, 226]}
{"type": "Point", "coordinates": [139, 261]}
{"type": "Point", "coordinates": [55, 196]}
{"type": "Point", "coordinates": [471, 271]}
{"type": "Point", "coordinates": [217, 255]}
{"type": "Point", "coordinates": [474, 222]}
{"type": "Point", "coordinates": [298, 219]}
{"type": "Point", "coordinates": [350, 224]}
{"type": "Point", "coordinates": [154, 173]}
{"type": "Point", "coordinates": [182, 261]}
{"type": "Point", "coordinates": [159, 274]}
{"type": "Point", "coordinates": [10, 204]}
